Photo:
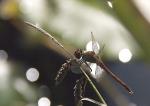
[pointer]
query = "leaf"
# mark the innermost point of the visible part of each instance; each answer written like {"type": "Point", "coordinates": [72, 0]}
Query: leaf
{"type": "Point", "coordinates": [135, 22]}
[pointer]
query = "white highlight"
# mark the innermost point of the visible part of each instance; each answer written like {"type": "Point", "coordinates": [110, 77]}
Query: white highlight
{"type": "Point", "coordinates": [96, 70]}
{"type": "Point", "coordinates": [32, 74]}
{"type": "Point", "coordinates": [110, 4]}
{"type": "Point", "coordinates": [144, 7]}
{"type": "Point", "coordinates": [89, 47]}
{"type": "Point", "coordinates": [125, 55]}
{"type": "Point", "coordinates": [94, 46]}
{"type": "Point", "coordinates": [32, 8]}
{"type": "Point", "coordinates": [44, 101]}
{"type": "Point", "coordinates": [4, 69]}
{"type": "Point", "coordinates": [93, 67]}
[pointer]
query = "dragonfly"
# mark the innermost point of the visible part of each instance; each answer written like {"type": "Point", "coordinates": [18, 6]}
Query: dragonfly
{"type": "Point", "coordinates": [91, 56]}
{"type": "Point", "coordinates": [77, 59]}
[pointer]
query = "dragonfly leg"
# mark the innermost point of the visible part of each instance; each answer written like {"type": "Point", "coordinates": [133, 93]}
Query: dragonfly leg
{"type": "Point", "coordinates": [79, 90]}
{"type": "Point", "coordinates": [62, 72]}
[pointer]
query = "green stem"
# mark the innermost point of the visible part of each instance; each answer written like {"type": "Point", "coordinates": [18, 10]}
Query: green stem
{"type": "Point", "coordinates": [94, 87]}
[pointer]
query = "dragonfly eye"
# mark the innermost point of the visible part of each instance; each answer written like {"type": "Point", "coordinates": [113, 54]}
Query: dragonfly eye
{"type": "Point", "coordinates": [78, 53]}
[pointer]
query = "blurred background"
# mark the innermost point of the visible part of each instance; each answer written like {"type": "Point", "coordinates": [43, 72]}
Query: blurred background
{"type": "Point", "coordinates": [29, 61]}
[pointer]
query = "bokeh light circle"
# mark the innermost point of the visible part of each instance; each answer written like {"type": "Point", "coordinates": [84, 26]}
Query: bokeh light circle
{"type": "Point", "coordinates": [125, 55]}
{"type": "Point", "coordinates": [32, 74]}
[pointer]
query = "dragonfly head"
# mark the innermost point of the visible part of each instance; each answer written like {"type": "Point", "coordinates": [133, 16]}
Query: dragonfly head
{"type": "Point", "coordinates": [78, 53]}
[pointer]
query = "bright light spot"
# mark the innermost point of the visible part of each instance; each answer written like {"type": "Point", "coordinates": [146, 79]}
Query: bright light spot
{"type": "Point", "coordinates": [3, 55]}
{"type": "Point", "coordinates": [125, 55]}
{"type": "Point", "coordinates": [32, 74]}
{"type": "Point", "coordinates": [93, 67]}
{"type": "Point", "coordinates": [28, 3]}
{"type": "Point", "coordinates": [143, 6]}
{"type": "Point", "coordinates": [96, 70]}
{"type": "Point", "coordinates": [32, 8]}
{"type": "Point", "coordinates": [89, 47]}
{"type": "Point", "coordinates": [110, 4]}
{"type": "Point", "coordinates": [44, 101]}
{"type": "Point", "coordinates": [4, 69]}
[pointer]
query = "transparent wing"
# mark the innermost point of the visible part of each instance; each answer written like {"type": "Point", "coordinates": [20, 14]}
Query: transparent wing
{"type": "Point", "coordinates": [96, 70]}
{"type": "Point", "coordinates": [95, 45]}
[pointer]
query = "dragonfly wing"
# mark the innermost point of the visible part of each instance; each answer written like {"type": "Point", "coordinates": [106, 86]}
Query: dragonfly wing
{"type": "Point", "coordinates": [95, 45]}
{"type": "Point", "coordinates": [96, 70]}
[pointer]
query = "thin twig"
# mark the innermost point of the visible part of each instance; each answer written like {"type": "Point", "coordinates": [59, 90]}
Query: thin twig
{"type": "Point", "coordinates": [92, 84]}
{"type": "Point", "coordinates": [49, 35]}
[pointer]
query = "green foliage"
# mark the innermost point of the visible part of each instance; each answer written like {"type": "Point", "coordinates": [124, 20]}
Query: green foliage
{"type": "Point", "coordinates": [135, 23]}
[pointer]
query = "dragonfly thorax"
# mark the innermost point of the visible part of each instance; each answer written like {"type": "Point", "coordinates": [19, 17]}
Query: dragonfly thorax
{"type": "Point", "coordinates": [89, 56]}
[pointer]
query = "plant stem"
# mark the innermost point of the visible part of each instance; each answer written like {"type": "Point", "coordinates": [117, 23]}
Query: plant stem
{"type": "Point", "coordinates": [94, 87]}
